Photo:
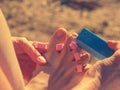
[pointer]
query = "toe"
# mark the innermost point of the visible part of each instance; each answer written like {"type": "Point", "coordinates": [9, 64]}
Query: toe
{"type": "Point", "coordinates": [58, 37]}
{"type": "Point", "coordinates": [56, 43]}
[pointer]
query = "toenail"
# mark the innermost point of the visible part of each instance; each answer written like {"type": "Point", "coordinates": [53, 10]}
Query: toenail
{"type": "Point", "coordinates": [73, 45]}
{"type": "Point", "coordinates": [84, 56]}
{"type": "Point", "coordinates": [77, 56]}
{"type": "Point", "coordinates": [79, 68]}
{"type": "Point", "coordinates": [41, 46]}
{"type": "Point", "coordinates": [60, 32]}
{"type": "Point", "coordinates": [59, 47]}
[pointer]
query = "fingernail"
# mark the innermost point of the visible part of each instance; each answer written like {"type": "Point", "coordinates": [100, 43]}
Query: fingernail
{"type": "Point", "coordinates": [41, 60]}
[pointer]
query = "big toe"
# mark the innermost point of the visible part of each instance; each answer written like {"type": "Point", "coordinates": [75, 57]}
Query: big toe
{"type": "Point", "coordinates": [56, 44]}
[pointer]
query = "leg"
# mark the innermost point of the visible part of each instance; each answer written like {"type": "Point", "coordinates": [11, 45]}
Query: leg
{"type": "Point", "coordinates": [4, 83]}
{"type": "Point", "coordinates": [8, 57]}
{"type": "Point", "coordinates": [65, 77]}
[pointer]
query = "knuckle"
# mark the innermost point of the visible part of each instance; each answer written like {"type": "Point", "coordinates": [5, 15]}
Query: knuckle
{"type": "Point", "coordinates": [116, 56]}
{"type": "Point", "coordinates": [117, 53]}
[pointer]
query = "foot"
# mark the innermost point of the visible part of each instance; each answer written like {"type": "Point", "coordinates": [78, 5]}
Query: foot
{"type": "Point", "coordinates": [61, 65]}
{"type": "Point", "coordinates": [65, 76]}
{"type": "Point", "coordinates": [42, 73]}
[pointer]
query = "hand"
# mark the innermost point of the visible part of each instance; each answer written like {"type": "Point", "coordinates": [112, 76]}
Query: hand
{"type": "Point", "coordinates": [60, 71]}
{"type": "Point", "coordinates": [28, 56]}
{"type": "Point", "coordinates": [103, 75]}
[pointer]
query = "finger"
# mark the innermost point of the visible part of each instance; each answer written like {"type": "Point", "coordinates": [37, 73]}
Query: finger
{"type": "Point", "coordinates": [112, 62]}
{"type": "Point", "coordinates": [18, 49]}
{"type": "Point", "coordinates": [115, 45]}
{"type": "Point", "coordinates": [115, 57]}
{"type": "Point", "coordinates": [31, 51]}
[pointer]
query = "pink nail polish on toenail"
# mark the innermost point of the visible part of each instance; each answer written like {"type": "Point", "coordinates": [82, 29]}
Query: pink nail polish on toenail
{"type": "Point", "coordinates": [73, 45]}
{"type": "Point", "coordinates": [41, 46]}
{"type": "Point", "coordinates": [77, 56]}
{"type": "Point", "coordinates": [79, 68]}
{"type": "Point", "coordinates": [59, 47]}
{"type": "Point", "coordinates": [85, 56]}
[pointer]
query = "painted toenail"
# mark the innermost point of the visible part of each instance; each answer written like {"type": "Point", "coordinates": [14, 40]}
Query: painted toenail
{"type": "Point", "coordinates": [79, 68]}
{"type": "Point", "coordinates": [41, 46]}
{"type": "Point", "coordinates": [60, 32]}
{"type": "Point", "coordinates": [77, 56]}
{"type": "Point", "coordinates": [59, 46]}
{"type": "Point", "coordinates": [84, 56]}
{"type": "Point", "coordinates": [73, 45]}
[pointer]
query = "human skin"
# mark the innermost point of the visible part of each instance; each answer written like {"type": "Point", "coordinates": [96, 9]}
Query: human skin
{"type": "Point", "coordinates": [24, 46]}
{"type": "Point", "coordinates": [8, 58]}
{"type": "Point", "coordinates": [58, 62]}
{"type": "Point", "coordinates": [103, 75]}
{"type": "Point", "coordinates": [60, 71]}
{"type": "Point", "coordinates": [4, 81]}
{"type": "Point", "coordinates": [28, 56]}
{"type": "Point", "coordinates": [9, 65]}
{"type": "Point", "coordinates": [61, 75]}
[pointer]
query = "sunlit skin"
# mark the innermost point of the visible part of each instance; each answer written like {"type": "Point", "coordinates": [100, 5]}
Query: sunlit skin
{"type": "Point", "coordinates": [59, 63]}
{"type": "Point", "coordinates": [4, 81]}
{"type": "Point", "coordinates": [8, 61]}
{"type": "Point", "coordinates": [27, 55]}
{"type": "Point", "coordinates": [103, 75]}
{"type": "Point", "coordinates": [27, 58]}
{"type": "Point", "coordinates": [60, 71]}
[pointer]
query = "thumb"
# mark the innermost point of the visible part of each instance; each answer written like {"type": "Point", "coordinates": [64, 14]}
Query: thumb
{"type": "Point", "coordinates": [32, 52]}
{"type": "Point", "coordinates": [116, 55]}
{"type": "Point", "coordinates": [115, 45]}
{"type": "Point", "coordinates": [115, 58]}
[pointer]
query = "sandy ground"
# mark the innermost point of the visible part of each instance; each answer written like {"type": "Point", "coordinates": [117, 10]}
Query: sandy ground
{"type": "Point", "coordinates": [38, 19]}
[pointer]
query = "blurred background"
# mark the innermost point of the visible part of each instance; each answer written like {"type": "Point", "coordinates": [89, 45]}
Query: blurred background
{"type": "Point", "coordinates": [38, 19]}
